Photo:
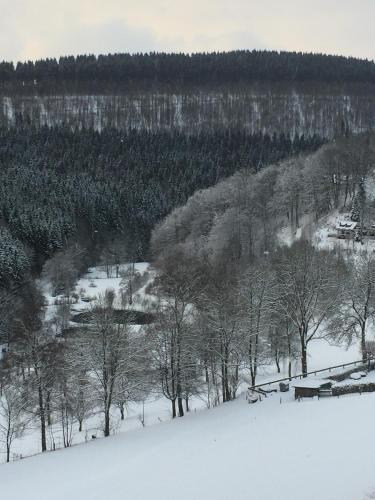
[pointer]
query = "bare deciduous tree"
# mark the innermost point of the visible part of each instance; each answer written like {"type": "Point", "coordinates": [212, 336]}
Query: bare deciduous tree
{"type": "Point", "coordinates": [172, 335]}
{"type": "Point", "coordinates": [13, 420]}
{"type": "Point", "coordinates": [108, 353]}
{"type": "Point", "coordinates": [310, 290]}
{"type": "Point", "coordinates": [259, 293]}
{"type": "Point", "coordinates": [352, 318]}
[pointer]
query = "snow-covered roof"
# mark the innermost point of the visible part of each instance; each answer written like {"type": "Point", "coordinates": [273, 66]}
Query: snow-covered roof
{"type": "Point", "coordinates": [346, 225]}
{"type": "Point", "coordinates": [311, 383]}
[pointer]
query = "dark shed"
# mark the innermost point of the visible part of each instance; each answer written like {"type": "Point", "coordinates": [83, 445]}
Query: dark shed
{"type": "Point", "coordinates": [310, 387]}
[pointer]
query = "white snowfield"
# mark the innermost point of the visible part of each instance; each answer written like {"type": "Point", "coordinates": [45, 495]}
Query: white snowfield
{"type": "Point", "coordinates": [309, 450]}
{"type": "Point", "coordinates": [95, 282]}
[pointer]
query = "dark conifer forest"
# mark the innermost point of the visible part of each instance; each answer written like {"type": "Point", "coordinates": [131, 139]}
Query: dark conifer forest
{"type": "Point", "coordinates": [59, 185]}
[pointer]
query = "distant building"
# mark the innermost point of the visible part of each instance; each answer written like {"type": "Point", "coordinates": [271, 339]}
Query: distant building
{"type": "Point", "coordinates": [4, 349]}
{"type": "Point", "coordinates": [370, 231]}
{"type": "Point", "coordinates": [346, 229]}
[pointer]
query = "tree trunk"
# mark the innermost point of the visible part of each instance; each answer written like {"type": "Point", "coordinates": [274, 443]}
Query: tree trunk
{"type": "Point", "coordinates": [253, 358]}
{"type": "Point", "coordinates": [173, 401]}
{"type": "Point", "coordinates": [187, 404]}
{"type": "Point", "coordinates": [48, 408]}
{"type": "Point", "coordinates": [363, 342]}
{"type": "Point", "coordinates": [253, 377]}
{"type": "Point", "coordinates": [277, 361]}
{"type": "Point", "coordinates": [42, 419]}
{"type": "Point", "coordinates": [289, 353]}
{"type": "Point", "coordinates": [223, 380]}
{"type": "Point", "coordinates": [130, 289]}
{"type": "Point", "coordinates": [180, 406]}
{"type": "Point", "coordinates": [346, 189]}
{"type": "Point", "coordinates": [304, 359]}
{"type": "Point", "coordinates": [226, 393]}
{"type": "Point", "coordinates": [206, 373]}
{"type": "Point", "coordinates": [122, 411]}
{"type": "Point", "coordinates": [106, 422]}
{"type": "Point", "coordinates": [215, 383]}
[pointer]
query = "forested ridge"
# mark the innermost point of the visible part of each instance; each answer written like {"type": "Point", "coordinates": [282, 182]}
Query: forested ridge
{"type": "Point", "coordinates": [269, 91]}
{"type": "Point", "coordinates": [215, 68]}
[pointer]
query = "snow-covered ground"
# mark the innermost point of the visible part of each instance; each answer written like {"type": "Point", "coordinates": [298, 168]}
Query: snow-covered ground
{"type": "Point", "coordinates": [156, 409]}
{"type": "Point", "coordinates": [368, 379]}
{"type": "Point", "coordinates": [322, 234]}
{"type": "Point", "coordinates": [322, 239]}
{"type": "Point", "coordinates": [95, 283]}
{"type": "Point", "coordinates": [279, 449]}
{"type": "Point", "coordinates": [286, 236]}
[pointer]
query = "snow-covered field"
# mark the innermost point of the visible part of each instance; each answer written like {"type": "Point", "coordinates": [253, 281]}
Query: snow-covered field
{"type": "Point", "coordinates": [156, 409]}
{"type": "Point", "coordinates": [279, 449]}
{"type": "Point", "coordinates": [95, 283]}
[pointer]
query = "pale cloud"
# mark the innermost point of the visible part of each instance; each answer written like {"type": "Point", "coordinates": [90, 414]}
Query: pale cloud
{"type": "Point", "coordinates": [41, 28]}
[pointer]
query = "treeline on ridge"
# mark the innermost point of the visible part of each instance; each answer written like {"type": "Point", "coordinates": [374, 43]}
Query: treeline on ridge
{"type": "Point", "coordinates": [171, 69]}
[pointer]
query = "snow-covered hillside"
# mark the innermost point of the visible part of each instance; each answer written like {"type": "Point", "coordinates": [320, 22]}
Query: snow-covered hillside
{"type": "Point", "coordinates": [155, 409]}
{"type": "Point", "coordinates": [322, 234]}
{"type": "Point", "coordinates": [279, 449]}
{"type": "Point", "coordinates": [291, 111]}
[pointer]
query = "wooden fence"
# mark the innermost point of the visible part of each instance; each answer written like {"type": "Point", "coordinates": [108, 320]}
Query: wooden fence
{"type": "Point", "coordinates": [369, 364]}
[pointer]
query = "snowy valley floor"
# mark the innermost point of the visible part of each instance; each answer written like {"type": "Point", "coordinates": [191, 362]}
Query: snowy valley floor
{"type": "Point", "coordinates": [309, 450]}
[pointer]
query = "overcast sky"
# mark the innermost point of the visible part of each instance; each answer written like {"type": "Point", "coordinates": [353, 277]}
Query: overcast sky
{"type": "Point", "coordinates": [32, 29]}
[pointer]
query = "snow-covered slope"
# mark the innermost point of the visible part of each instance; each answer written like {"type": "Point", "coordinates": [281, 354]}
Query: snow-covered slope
{"type": "Point", "coordinates": [309, 450]}
{"type": "Point", "coordinates": [306, 111]}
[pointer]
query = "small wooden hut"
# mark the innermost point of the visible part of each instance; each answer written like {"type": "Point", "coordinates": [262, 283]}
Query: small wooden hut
{"type": "Point", "coordinates": [310, 387]}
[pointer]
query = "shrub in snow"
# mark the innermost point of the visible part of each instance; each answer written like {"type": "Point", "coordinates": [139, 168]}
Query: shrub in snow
{"type": "Point", "coordinates": [352, 389]}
